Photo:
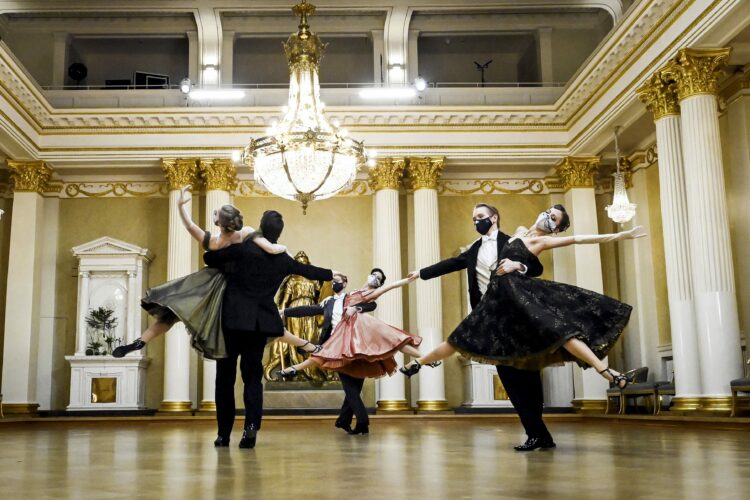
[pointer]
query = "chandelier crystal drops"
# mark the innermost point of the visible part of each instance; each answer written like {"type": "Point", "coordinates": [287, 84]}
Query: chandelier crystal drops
{"type": "Point", "coordinates": [304, 158]}
{"type": "Point", "coordinates": [621, 210]}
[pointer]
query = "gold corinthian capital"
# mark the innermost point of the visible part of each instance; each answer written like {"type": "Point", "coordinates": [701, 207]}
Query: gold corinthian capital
{"type": "Point", "coordinates": [660, 97]}
{"type": "Point", "coordinates": [180, 172]}
{"type": "Point", "coordinates": [29, 176]}
{"type": "Point", "coordinates": [696, 71]}
{"type": "Point", "coordinates": [219, 174]}
{"type": "Point", "coordinates": [425, 172]}
{"type": "Point", "coordinates": [387, 174]}
{"type": "Point", "coordinates": [578, 171]}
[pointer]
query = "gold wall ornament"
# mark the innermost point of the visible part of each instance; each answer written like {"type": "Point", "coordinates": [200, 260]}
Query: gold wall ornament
{"type": "Point", "coordinates": [578, 171]}
{"type": "Point", "coordinates": [660, 97]}
{"type": "Point", "coordinates": [387, 173]}
{"type": "Point", "coordinates": [180, 172]}
{"type": "Point", "coordinates": [696, 71]}
{"type": "Point", "coordinates": [116, 189]}
{"type": "Point", "coordinates": [29, 176]}
{"type": "Point", "coordinates": [490, 186]}
{"type": "Point", "coordinates": [218, 174]}
{"type": "Point", "coordinates": [425, 172]}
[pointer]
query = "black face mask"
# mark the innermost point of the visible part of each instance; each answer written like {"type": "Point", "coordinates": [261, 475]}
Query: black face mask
{"type": "Point", "coordinates": [337, 286]}
{"type": "Point", "coordinates": [483, 225]}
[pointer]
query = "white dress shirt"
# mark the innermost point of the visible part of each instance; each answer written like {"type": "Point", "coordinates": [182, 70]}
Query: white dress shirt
{"type": "Point", "coordinates": [338, 309]}
{"type": "Point", "coordinates": [486, 260]}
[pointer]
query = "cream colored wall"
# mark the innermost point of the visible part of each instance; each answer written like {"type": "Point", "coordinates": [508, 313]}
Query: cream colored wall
{"type": "Point", "coordinates": [656, 232]}
{"type": "Point", "coordinates": [140, 221]}
{"type": "Point", "coordinates": [735, 128]}
{"type": "Point", "coordinates": [7, 206]}
{"type": "Point", "coordinates": [336, 233]}
{"type": "Point", "coordinates": [457, 230]}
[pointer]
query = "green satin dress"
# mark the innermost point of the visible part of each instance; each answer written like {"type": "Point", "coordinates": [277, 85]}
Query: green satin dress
{"type": "Point", "coordinates": [195, 300]}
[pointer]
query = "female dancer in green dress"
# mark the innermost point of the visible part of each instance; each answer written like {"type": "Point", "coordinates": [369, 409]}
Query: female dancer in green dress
{"type": "Point", "coordinates": [195, 299]}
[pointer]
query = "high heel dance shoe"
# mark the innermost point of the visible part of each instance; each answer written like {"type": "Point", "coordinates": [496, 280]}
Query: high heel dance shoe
{"type": "Point", "coordinates": [284, 374]}
{"type": "Point", "coordinates": [301, 349]}
{"type": "Point", "coordinates": [411, 369]}
{"type": "Point", "coordinates": [626, 377]}
{"type": "Point", "coordinates": [121, 351]}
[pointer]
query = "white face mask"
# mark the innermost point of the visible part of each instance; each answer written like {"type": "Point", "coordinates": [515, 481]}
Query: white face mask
{"type": "Point", "coordinates": [545, 223]}
{"type": "Point", "coordinates": [373, 280]}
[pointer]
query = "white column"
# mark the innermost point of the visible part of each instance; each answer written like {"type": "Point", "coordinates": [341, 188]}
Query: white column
{"type": "Point", "coordinates": [425, 173]}
{"type": "Point", "coordinates": [24, 287]}
{"type": "Point", "coordinates": [219, 176]}
{"type": "Point", "coordinates": [385, 179]}
{"type": "Point", "coordinates": [179, 173]}
{"type": "Point", "coordinates": [661, 100]}
{"type": "Point", "coordinates": [546, 72]}
{"type": "Point", "coordinates": [59, 58]}
{"type": "Point", "coordinates": [577, 174]}
{"type": "Point", "coordinates": [696, 72]}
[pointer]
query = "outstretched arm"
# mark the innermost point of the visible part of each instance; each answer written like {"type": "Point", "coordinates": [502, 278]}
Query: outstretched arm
{"type": "Point", "coordinates": [263, 243]}
{"type": "Point", "coordinates": [537, 245]}
{"type": "Point", "coordinates": [372, 295]}
{"type": "Point", "coordinates": [195, 231]}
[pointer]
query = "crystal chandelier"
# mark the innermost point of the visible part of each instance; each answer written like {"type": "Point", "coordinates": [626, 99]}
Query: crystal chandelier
{"type": "Point", "coordinates": [621, 210]}
{"type": "Point", "coordinates": [303, 157]}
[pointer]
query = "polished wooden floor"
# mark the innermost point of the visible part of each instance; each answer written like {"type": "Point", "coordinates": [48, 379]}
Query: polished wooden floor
{"type": "Point", "coordinates": [401, 459]}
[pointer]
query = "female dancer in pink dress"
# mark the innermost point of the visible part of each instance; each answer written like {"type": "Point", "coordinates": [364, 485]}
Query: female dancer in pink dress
{"type": "Point", "coordinates": [361, 345]}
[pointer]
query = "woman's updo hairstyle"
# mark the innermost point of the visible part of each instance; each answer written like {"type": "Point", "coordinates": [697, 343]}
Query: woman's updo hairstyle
{"type": "Point", "coordinates": [230, 218]}
{"type": "Point", "coordinates": [564, 222]}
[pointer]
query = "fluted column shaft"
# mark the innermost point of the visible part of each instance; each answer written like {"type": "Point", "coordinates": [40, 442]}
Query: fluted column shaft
{"type": "Point", "coordinates": [577, 174]}
{"type": "Point", "coordinates": [220, 179]}
{"type": "Point", "coordinates": [425, 173]}
{"type": "Point", "coordinates": [674, 206]}
{"type": "Point", "coordinates": [179, 173]}
{"type": "Point", "coordinates": [385, 179]}
{"type": "Point", "coordinates": [20, 346]}
{"type": "Point", "coordinates": [696, 75]}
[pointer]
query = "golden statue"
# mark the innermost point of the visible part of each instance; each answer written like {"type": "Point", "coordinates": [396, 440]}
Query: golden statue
{"type": "Point", "coordinates": [298, 291]}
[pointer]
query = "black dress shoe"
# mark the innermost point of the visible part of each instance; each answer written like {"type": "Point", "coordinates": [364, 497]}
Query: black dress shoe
{"type": "Point", "coordinates": [249, 436]}
{"type": "Point", "coordinates": [532, 444]}
{"type": "Point", "coordinates": [221, 442]}
{"type": "Point", "coordinates": [359, 429]}
{"type": "Point", "coordinates": [342, 425]}
{"type": "Point", "coordinates": [121, 351]}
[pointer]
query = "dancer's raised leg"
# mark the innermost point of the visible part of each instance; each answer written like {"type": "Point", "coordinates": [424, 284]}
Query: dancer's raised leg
{"type": "Point", "coordinates": [580, 350]}
{"type": "Point", "coordinates": [153, 331]}
{"type": "Point", "coordinates": [292, 370]}
{"type": "Point", "coordinates": [301, 344]}
{"type": "Point", "coordinates": [432, 358]}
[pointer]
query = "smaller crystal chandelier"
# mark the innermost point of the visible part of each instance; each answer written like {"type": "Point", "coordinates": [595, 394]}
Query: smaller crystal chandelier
{"type": "Point", "coordinates": [621, 210]}
{"type": "Point", "coordinates": [304, 158]}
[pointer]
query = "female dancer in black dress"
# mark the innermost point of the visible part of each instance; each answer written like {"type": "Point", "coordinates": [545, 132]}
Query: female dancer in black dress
{"type": "Point", "coordinates": [195, 299]}
{"type": "Point", "coordinates": [531, 323]}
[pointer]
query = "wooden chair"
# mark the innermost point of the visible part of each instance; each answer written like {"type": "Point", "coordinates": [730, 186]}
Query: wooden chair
{"type": "Point", "coordinates": [614, 392]}
{"type": "Point", "coordinates": [739, 385]}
